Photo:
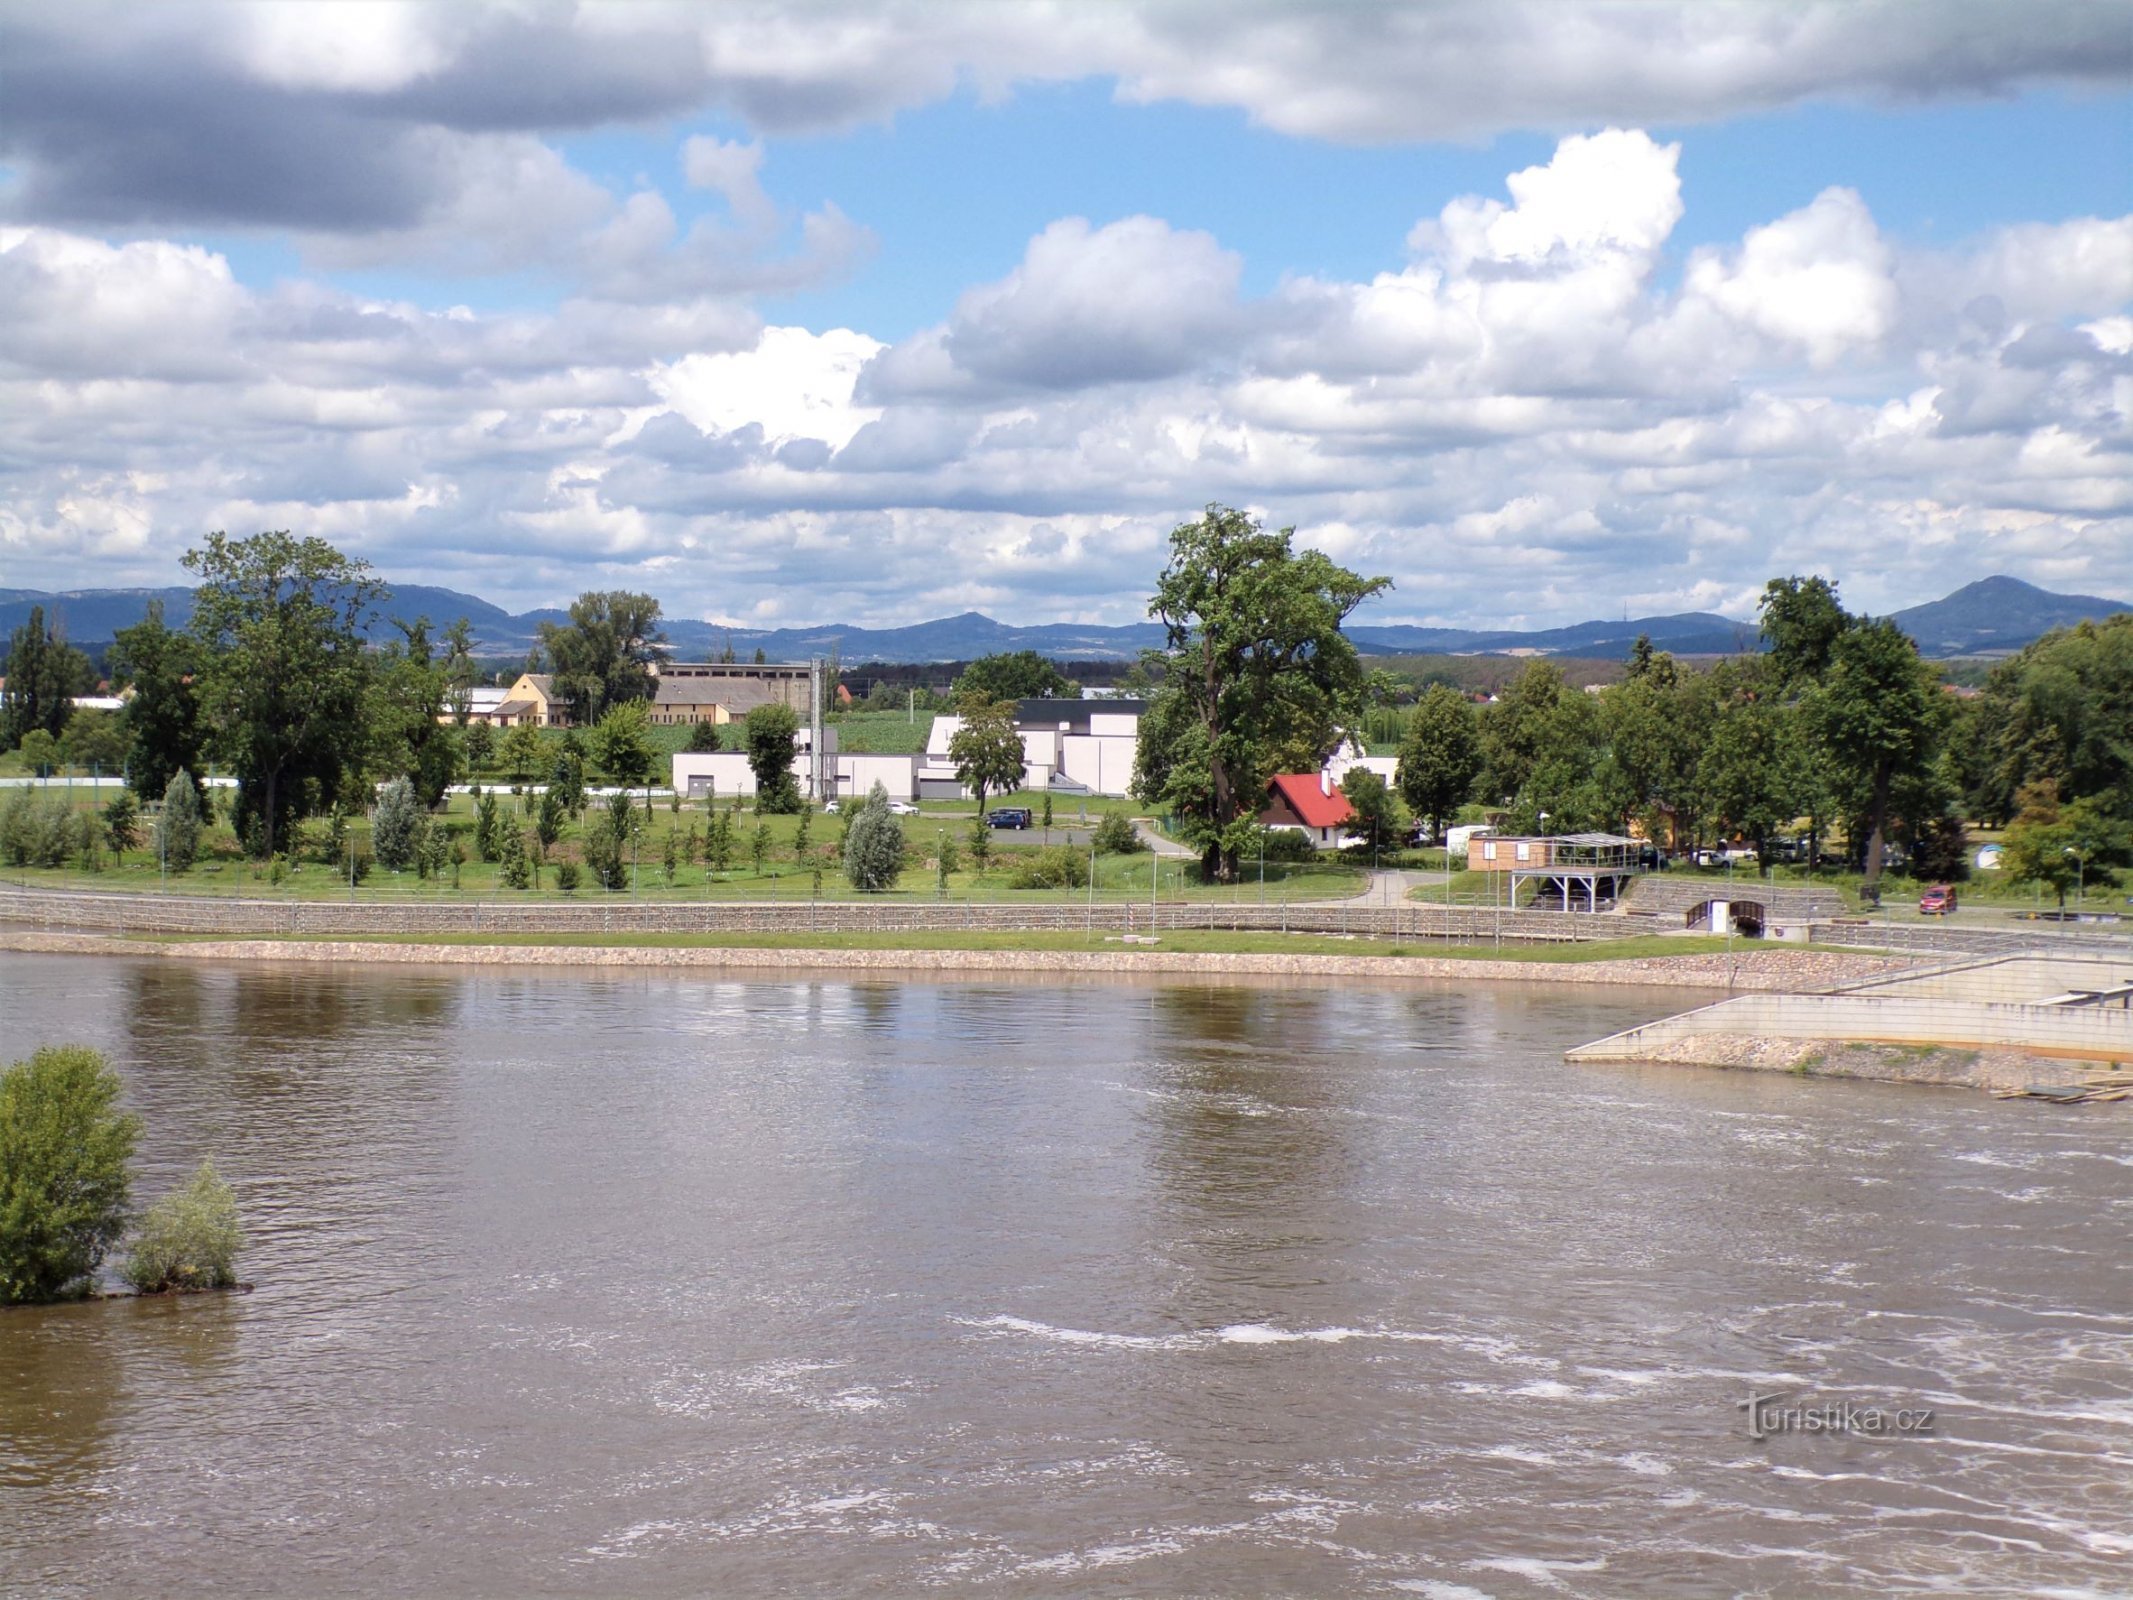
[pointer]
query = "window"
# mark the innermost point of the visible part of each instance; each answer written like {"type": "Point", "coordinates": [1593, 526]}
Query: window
{"type": "Point", "coordinates": [1525, 852]}
{"type": "Point", "coordinates": [1488, 850]}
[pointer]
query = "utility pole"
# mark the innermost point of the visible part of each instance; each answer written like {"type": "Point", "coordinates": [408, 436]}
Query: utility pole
{"type": "Point", "coordinates": [814, 728]}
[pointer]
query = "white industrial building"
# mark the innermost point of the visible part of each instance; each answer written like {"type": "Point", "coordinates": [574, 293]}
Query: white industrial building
{"type": "Point", "coordinates": [1068, 746]}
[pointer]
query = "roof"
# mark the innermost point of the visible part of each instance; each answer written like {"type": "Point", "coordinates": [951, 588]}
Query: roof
{"type": "Point", "coordinates": [1310, 802]}
{"type": "Point", "coordinates": [515, 708]}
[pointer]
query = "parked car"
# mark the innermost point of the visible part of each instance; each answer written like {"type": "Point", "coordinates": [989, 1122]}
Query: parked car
{"type": "Point", "coordinates": [902, 808]}
{"type": "Point", "coordinates": [1937, 901]}
{"type": "Point", "coordinates": [1009, 817]}
{"type": "Point", "coordinates": [830, 809]}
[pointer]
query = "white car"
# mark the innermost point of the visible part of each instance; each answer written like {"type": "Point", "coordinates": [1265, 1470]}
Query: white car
{"type": "Point", "coordinates": [902, 808]}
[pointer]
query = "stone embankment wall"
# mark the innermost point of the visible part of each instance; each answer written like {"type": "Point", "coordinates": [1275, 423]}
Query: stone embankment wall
{"type": "Point", "coordinates": [1767, 969]}
{"type": "Point", "coordinates": [1859, 1019]}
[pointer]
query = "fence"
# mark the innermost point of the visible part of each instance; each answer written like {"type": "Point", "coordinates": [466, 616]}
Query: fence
{"type": "Point", "coordinates": [90, 911]}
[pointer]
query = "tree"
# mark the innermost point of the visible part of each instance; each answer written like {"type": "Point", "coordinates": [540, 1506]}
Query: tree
{"type": "Point", "coordinates": [1441, 756]}
{"type": "Point", "coordinates": [66, 1152]}
{"type": "Point", "coordinates": [567, 783]}
{"type": "Point", "coordinates": [1742, 773]}
{"type": "Point", "coordinates": [163, 715]}
{"type": "Point", "coordinates": [2060, 712]}
{"type": "Point", "coordinates": [1378, 822]}
{"type": "Point", "coordinates": [1802, 621]}
{"type": "Point", "coordinates": [1115, 836]}
{"type": "Point", "coordinates": [396, 825]}
{"type": "Point", "coordinates": [178, 828]}
{"type": "Point", "coordinates": [122, 822]}
{"type": "Point", "coordinates": [280, 625]}
{"type": "Point", "coordinates": [548, 820]}
{"type": "Point", "coordinates": [1256, 674]}
{"type": "Point", "coordinates": [986, 750]}
{"type": "Point", "coordinates": [189, 1239]}
{"type": "Point", "coordinates": [488, 827]}
{"type": "Point", "coordinates": [619, 744]}
{"type": "Point", "coordinates": [410, 691]}
{"type": "Point", "coordinates": [44, 673]}
{"type": "Point", "coordinates": [759, 846]}
{"type": "Point", "coordinates": [1875, 711]}
{"type": "Point", "coordinates": [96, 741]}
{"type": "Point", "coordinates": [874, 845]}
{"type": "Point", "coordinates": [479, 742]}
{"type": "Point", "coordinates": [771, 732]}
{"type": "Point", "coordinates": [1013, 675]}
{"type": "Point", "coordinates": [607, 654]}
{"type": "Point", "coordinates": [40, 752]}
{"type": "Point", "coordinates": [703, 738]}
{"type": "Point", "coordinates": [521, 750]}
{"type": "Point", "coordinates": [607, 843]}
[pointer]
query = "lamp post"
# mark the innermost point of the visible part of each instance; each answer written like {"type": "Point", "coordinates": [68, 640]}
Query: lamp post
{"type": "Point", "coordinates": [2080, 876]}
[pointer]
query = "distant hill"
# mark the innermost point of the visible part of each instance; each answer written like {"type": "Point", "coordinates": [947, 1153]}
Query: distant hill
{"type": "Point", "coordinates": [1998, 616]}
{"type": "Point", "coordinates": [1993, 615]}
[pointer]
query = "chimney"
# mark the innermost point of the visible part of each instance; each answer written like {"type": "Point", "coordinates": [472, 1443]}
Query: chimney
{"type": "Point", "coordinates": [1325, 780]}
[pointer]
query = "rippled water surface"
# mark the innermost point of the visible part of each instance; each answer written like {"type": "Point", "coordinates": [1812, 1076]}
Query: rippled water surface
{"type": "Point", "coordinates": [669, 1285]}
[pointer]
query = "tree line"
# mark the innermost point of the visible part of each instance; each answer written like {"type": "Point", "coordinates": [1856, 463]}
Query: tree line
{"type": "Point", "coordinates": [1838, 721]}
{"type": "Point", "coordinates": [279, 682]}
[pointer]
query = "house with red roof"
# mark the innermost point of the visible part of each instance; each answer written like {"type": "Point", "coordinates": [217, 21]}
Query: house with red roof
{"type": "Point", "coordinates": [1308, 802]}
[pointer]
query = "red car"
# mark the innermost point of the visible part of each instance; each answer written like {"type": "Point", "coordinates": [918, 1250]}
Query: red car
{"type": "Point", "coordinates": [1937, 901]}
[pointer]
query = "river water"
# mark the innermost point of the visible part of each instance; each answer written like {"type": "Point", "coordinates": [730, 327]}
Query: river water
{"type": "Point", "coordinates": [664, 1284]}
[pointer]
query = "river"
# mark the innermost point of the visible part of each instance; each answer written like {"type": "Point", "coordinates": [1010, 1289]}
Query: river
{"type": "Point", "coordinates": [664, 1284]}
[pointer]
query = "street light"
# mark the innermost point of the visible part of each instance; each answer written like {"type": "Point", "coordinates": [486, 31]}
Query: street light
{"type": "Point", "coordinates": [2080, 874]}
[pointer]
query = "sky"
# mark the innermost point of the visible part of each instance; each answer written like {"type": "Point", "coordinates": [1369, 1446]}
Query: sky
{"type": "Point", "coordinates": [875, 313]}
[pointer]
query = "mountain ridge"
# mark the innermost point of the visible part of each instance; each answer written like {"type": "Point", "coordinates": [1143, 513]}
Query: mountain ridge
{"type": "Point", "coordinates": [1994, 615]}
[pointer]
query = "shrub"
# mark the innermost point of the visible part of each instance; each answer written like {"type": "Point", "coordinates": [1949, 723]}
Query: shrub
{"type": "Point", "coordinates": [189, 1239]}
{"type": "Point", "coordinates": [874, 845]}
{"type": "Point", "coordinates": [1115, 836]}
{"type": "Point", "coordinates": [396, 825]}
{"type": "Point", "coordinates": [566, 876]}
{"type": "Point", "coordinates": [517, 868]}
{"type": "Point", "coordinates": [37, 830]}
{"type": "Point", "coordinates": [1290, 845]}
{"type": "Point", "coordinates": [1058, 867]}
{"type": "Point", "coordinates": [179, 826]}
{"type": "Point", "coordinates": [65, 1155]}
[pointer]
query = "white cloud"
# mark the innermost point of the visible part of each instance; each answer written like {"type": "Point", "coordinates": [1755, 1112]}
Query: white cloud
{"type": "Point", "coordinates": [792, 385]}
{"type": "Point", "coordinates": [1818, 278]}
{"type": "Point", "coordinates": [1526, 392]}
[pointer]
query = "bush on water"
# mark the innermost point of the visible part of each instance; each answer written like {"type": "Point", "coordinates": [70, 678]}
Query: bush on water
{"type": "Point", "coordinates": [65, 1178]}
{"type": "Point", "coordinates": [189, 1239]}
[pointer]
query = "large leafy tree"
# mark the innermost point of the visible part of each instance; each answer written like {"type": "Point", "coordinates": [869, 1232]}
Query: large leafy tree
{"type": "Point", "coordinates": [621, 744]}
{"type": "Point", "coordinates": [65, 1172]}
{"type": "Point", "coordinates": [1378, 821]}
{"type": "Point", "coordinates": [771, 729]}
{"type": "Point", "coordinates": [160, 664]}
{"type": "Point", "coordinates": [44, 674]}
{"type": "Point", "coordinates": [412, 688]}
{"type": "Point", "coordinates": [1802, 620]}
{"type": "Point", "coordinates": [1877, 713]}
{"type": "Point", "coordinates": [1744, 771]}
{"type": "Point", "coordinates": [1011, 675]}
{"type": "Point", "coordinates": [2061, 712]}
{"type": "Point", "coordinates": [1256, 671]}
{"type": "Point", "coordinates": [285, 673]}
{"type": "Point", "coordinates": [1441, 756]}
{"type": "Point", "coordinates": [986, 750]}
{"type": "Point", "coordinates": [607, 653]}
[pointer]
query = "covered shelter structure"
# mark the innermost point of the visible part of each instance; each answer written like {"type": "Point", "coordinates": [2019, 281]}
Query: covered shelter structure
{"type": "Point", "coordinates": [1578, 871]}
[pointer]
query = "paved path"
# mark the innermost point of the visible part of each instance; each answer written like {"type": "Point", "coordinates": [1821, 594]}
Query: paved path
{"type": "Point", "coordinates": [1168, 849]}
